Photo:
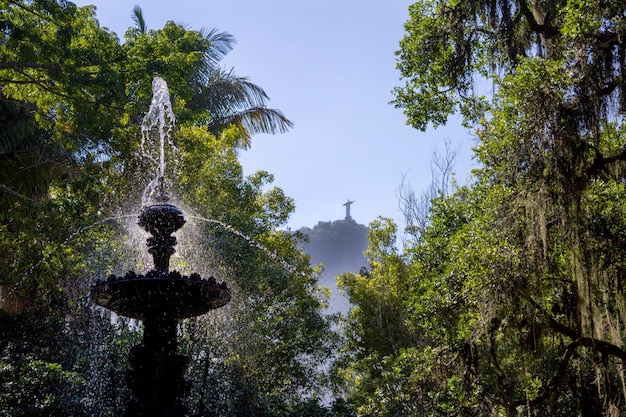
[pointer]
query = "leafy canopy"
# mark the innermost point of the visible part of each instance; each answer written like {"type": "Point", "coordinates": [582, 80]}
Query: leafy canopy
{"type": "Point", "coordinates": [514, 298]}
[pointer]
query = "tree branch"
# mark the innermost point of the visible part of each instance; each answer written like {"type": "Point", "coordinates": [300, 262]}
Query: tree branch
{"type": "Point", "coordinates": [543, 28]}
{"type": "Point", "coordinates": [34, 65]}
{"type": "Point", "coordinates": [600, 162]}
{"type": "Point", "coordinates": [12, 192]}
{"type": "Point", "coordinates": [596, 345]}
{"type": "Point", "coordinates": [50, 89]}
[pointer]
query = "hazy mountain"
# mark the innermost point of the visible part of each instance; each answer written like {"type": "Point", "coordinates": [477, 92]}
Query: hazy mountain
{"type": "Point", "coordinates": [339, 246]}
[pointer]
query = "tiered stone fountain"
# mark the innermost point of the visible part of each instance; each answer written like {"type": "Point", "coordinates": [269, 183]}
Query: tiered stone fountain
{"type": "Point", "coordinates": [159, 298]}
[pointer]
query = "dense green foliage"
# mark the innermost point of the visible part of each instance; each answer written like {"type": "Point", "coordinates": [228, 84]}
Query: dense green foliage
{"type": "Point", "coordinates": [73, 98]}
{"type": "Point", "coordinates": [511, 301]}
{"type": "Point", "coordinates": [508, 299]}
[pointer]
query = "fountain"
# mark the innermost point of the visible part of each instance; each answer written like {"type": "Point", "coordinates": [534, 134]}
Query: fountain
{"type": "Point", "coordinates": [160, 298]}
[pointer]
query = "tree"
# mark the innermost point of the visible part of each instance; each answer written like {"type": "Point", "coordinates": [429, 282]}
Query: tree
{"type": "Point", "coordinates": [57, 59]}
{"type": "Point", "coordinates": [517, 280]}
{"type": "Point", "coordinates": [60, 93]}
{"type": "Point", "coordinates": [376, 326]}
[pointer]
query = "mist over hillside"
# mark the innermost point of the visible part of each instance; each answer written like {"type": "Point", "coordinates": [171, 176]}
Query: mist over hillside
{"type": "Point", "coordinates": [339, 246]}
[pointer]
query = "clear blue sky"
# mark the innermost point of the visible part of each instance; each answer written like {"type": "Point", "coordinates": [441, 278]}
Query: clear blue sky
{"type": "Point", "coordinates": [329, 66]}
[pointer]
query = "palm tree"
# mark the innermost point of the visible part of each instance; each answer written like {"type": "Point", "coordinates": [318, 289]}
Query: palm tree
{"type": "Point", "coordinates": [29, 159]}
{"type": "Point", "coordinates": [229, 99]}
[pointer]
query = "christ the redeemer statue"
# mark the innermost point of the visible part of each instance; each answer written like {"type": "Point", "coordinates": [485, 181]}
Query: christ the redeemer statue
{"type": "Point", "coordinates": [348, 204]}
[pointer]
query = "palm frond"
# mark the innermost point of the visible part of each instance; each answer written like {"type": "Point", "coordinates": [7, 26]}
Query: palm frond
{"type": "Point", "coordinates": [233, 100]}
{"type": "Point", "coordinates": [29, 159]}
{"type": "Point", "coordinates": [17, 128]}
{"type": "Point", "coordinates": [220, 44]}
{"type": "Point", "coordinates": [137, 16]}
{"type": "Point", "coordinates": [252, 121]}
{"type": "Point", "coordinates": [226, 92]}
{"type": "Point", "coordinates": [29, 174]}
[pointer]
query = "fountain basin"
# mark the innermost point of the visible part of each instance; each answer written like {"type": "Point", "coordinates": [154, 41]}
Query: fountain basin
{"type": "Point", "coordinates": [171, 294]}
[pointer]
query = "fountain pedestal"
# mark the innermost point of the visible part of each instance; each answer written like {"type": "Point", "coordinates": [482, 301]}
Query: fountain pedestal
{"type": "Point", "coordinates": [156, 376]}
{"type": "Point", "coordinates": [160, 299]}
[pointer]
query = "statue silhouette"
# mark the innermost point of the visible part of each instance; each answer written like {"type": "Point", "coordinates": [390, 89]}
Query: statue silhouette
{"type": "Point", "coordinates": [347, 204]}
